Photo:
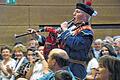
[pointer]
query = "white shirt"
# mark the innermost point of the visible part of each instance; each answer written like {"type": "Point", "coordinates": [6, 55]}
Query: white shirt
{"type": "Point", "coordinates": [37, 71]}
{"type": "Point", "coordinates": [11, 63]}
{"type": "Point", "coordinates": [93, 63]}
{"type": "Point", "coordinates": [96, 53]}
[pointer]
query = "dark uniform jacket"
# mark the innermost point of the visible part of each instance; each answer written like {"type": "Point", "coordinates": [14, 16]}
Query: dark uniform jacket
{"type": "Point", "coordinates": [77, 47]}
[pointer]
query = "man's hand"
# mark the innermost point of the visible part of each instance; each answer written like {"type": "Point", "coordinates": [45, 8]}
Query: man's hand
{"type": "Point", "coordinates": [40, 55]}
{"type": "Point", "coordinates": [30, 30]}
{"type": "Point", "coordinates": [64, 26]}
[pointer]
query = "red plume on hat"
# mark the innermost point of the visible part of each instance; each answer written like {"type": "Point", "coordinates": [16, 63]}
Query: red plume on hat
{"type": "Point", "coordinates": [89, 2]}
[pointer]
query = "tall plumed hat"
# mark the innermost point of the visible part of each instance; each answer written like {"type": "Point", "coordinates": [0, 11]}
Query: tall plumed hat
{"type": "Point", "coordinates": [86, 8]}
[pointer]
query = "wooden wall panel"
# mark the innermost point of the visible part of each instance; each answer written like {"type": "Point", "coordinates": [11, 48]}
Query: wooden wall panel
{"type": "Point", "coordinates": [7, 34]}
{"type": "Point", "coordinates": [107, 15]}
{"type": "Point", "coordinates": [13, 15]}
{"type": "Point", "coordinates": [50, 15]}
{"type": "Point", "coordinates": [107, 2]}
{"type": "Point", "coordinates": [47, 2]}
{"type": "Point", "coordinates": [53, 2]}
{"type": "Point", "coordinates": [102, 33]}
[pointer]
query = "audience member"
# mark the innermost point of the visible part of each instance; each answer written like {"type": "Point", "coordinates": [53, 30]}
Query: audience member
{"type": "Point", "coordinates": [62, 75]}
{"type": "Point", "coordinates": [57, 60]}
{"type": "Point", "coordinates": [108, 49]}
{"type": "Point", "coordinates": [7, 62]}
{"type": "Point", "coordinates": [109, 68]}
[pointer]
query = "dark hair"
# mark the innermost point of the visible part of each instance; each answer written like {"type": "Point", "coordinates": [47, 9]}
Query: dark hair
{"type": "Point", "coordinates": [6, 47]}
{"type": "Point", "coordinates": [110, 49]}
{"type": "Point", "coordinates": [31, 49]}
{"type": "Point", "coordinates": [112, 64]}
{"type": "Point", "coordinates": [61, 61]}
{"type": "Point", "coordinates": [63, 75]}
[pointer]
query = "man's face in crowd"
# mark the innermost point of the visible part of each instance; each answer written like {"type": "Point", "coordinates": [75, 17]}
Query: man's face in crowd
{"type": "Point", "coordinates": [32, 43]}
{"type": "Point", "coordinates": [41, 49]}
{"type": "Point", "coordinates": [30, 55]}
{"type": "Point", "coordinates": [97, 46]}
{"type": "Point", "coordinates": [51, 62]}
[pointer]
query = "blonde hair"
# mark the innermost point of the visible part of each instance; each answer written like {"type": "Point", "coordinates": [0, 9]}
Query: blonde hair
{"type": "Point", "coordinates": [20, 47]}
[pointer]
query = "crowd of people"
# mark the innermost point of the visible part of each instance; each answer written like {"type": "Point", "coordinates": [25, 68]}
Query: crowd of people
{"type": "Point", "coordinates": [68, 54]}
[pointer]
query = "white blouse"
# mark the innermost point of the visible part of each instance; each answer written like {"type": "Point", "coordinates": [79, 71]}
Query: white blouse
{"type": "Point", "coordinates": [11, 63]}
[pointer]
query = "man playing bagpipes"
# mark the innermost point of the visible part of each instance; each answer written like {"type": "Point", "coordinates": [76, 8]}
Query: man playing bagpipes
{"type": "Point", "coordinates": [75, 38]}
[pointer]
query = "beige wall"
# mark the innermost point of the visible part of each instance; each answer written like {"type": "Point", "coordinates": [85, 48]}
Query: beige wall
{"type": "Point", "coordinates": [30, 13]}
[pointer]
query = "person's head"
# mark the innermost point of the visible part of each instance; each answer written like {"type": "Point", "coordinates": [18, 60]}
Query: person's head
{"type": "Point", "coordinates": [108, 40]}
{"type": "Point", "coordinates": [97, 44]}
{"type": "Point", "coordinates": [62, 75]}
{"type": "Point", "coordinates": [6, 52]}
{"type": "Point", "coordinates": [41, 49]}
{"type": "Point", "coordinates": [108, 49]}
{"type": "Point", "coordinates": [57, 59]}
{"type": "Point", "coordinates": [30, 53]}
{"type": "Point", "coordinates": [32, 43]}
{"type": "Point", "coordinates": [116, 42]}
{"type": "Point", "coordinates": [82, 13]}
{"type": "Point", "coordinates": [117, 49]}
{"type": "Point", "coordinates": [19, 51]}
{"type": "Point", "coordinates": [109, 68]}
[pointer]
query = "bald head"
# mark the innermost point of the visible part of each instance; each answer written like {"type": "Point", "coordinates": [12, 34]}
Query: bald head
{"type": "Point", "coordinates": [60, 52]}
{"type": "Point", "coordinates": [57, 59]}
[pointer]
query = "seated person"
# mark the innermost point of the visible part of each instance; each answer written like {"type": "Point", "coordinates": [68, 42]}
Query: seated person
{"type": "Point", "coordinates": [62, 75]}
{"type": "Point", "coordinates": [57, 60]}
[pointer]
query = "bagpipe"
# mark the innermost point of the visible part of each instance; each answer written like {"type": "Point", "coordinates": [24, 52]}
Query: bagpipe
{"type": "Point", "coordinates": [51, 40]}
{"type": "Point", "coordinates": [46, 29]}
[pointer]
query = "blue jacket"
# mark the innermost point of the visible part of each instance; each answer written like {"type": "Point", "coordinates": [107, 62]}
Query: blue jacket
{"type": "Point", "coordinates": [51, 75]}
{"type": "Point", "coordinates": [77, 48]}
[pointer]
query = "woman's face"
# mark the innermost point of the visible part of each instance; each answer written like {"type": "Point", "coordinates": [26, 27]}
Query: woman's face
{"type": "Point", "coordinates": [6, 54]}
{"type": "Point", "coordinates": [103, 73]}
{"type": "Point", "coordinates": [18, 54]}
{"type": "Point", "coordinates": [105, 51]}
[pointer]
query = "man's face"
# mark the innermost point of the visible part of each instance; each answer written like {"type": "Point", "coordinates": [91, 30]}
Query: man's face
{"type": "Point", "coordinates": [51, 63]}
{"type": "Point", "coordinates": [32, 43]}
{"type": "Point", "coordinates": [97, 46]}
{"type": "Point", "coordinates": [30, 55]}
{"type": "Point", "coordinates": [79, 16]}
{"type": "Point", "coordinates": [41, 49]}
